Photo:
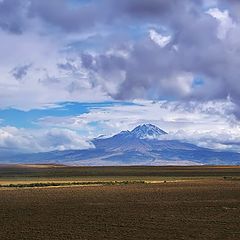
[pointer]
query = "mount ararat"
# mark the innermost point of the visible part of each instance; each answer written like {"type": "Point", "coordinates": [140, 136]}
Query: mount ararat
{"type": "Point", "coordinates": [143, 145]}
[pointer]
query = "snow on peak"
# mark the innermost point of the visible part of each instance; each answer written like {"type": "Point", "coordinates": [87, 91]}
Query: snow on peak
{"type": "Point", "coordinates": [147, 131]}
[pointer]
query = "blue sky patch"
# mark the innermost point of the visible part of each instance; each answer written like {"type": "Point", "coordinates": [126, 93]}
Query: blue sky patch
{"type": "Point", "coordinates": [28, 119]}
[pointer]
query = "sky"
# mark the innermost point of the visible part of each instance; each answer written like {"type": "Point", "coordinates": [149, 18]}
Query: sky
{"type": "Point", "coordinates": [71, 70]}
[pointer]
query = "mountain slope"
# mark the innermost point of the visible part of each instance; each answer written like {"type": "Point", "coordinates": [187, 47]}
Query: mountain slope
{"type": "Point", "coordinates": [135, 140]}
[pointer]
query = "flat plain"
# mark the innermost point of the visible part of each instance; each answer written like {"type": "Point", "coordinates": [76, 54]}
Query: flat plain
{"type": "Point", "coordinates": [174, 203]}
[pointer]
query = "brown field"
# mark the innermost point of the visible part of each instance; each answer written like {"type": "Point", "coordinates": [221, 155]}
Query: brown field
{"type": "Point", "coordinates": [59, 173]}
{"type": "Point", "coordinates": [203, 206]}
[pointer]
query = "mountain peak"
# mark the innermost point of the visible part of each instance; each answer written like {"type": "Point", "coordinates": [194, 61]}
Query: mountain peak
{"type": "Point", "coordinates": [147, 131]}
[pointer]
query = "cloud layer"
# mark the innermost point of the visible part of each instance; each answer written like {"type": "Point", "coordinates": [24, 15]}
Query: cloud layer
{"type": "Point", "coordinates": [22, 140]}
{"type": "Point", "coordinates": [182, 54]}
{"type": "Point", "coordinates": [154, 49]}
{"type": "Point", "coordinates": [209, 124]}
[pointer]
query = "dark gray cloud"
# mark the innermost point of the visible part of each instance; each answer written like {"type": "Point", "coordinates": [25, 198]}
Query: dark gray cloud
{"type": "Point", "coordinates": [12, 15]}
{"type": "Point", "coordinates": [140, 68]}
{"type": "Point", "coordinates": [61, 14]}
{"type": "Point", "coordinates": [69, 16]}
{"type": "Point", "coordinates": [155, 9]}
{"type": "Point", "coordinates": [152, 71]}
{"type": "Point", "coordinates": [21, 71]}
{"type": "Point", "coordinates": [68, 66]}
{"type": "Point", "coordinates": [15, 15]}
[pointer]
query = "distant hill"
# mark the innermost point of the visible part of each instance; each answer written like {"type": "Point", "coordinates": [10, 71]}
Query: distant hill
{"type": "Point", "coordinates": [141, 146]}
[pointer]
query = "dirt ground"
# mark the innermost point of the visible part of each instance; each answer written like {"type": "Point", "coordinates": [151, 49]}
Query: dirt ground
{"type": "Point", "coordinates": [206, 209]}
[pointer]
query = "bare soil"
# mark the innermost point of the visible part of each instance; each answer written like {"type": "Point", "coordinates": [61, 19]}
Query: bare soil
{"type": "Point", "coordinates": [203, 209]}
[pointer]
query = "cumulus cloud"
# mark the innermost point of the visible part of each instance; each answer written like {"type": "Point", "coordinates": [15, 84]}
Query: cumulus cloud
{"type": "Point", "coordinates": [23, 140]}
{"type": "Point", "coordinates": [184, 52]}
{"type": "Point", "coordinates": [167, 45]}
{"type": "Point", "coordinates": [203, 43]}
{"type": "Point", "coordinates": [225, 21]}
{"type": "Point", "coordinates": [159, 39]}
{"type": "Point", "coordinates": [220, 140]}
{"type": "Point", "coordinates": [34, 73]}
{"type": "Point", "coordinates": [209, 124]}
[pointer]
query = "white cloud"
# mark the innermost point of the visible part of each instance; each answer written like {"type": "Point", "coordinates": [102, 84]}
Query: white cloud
{"type": "Point", "coordinates": [209, 124]}
{"type": "Point", "coordinates": [44, 82]}
{"type": "Point", "coordinates": [225, 21]}
{"type": "Point", "coordinates": [26, 140]}
{"type": "Point", "coordinates": [222, 139]}
{"type": "Point", "coordinates": [158, 38]}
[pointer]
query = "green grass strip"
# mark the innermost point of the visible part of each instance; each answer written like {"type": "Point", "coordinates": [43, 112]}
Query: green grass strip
{"type": "Point", "coordinates": [49, 184]}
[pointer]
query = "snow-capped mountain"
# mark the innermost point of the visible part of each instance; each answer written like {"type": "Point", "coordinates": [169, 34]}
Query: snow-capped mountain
{"type": "Point", "coordinates": [141, 146]}
{"type": "Point", "coordinates": [131, 140]}
{"type": "Point", "coordinates": [147, 131]}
